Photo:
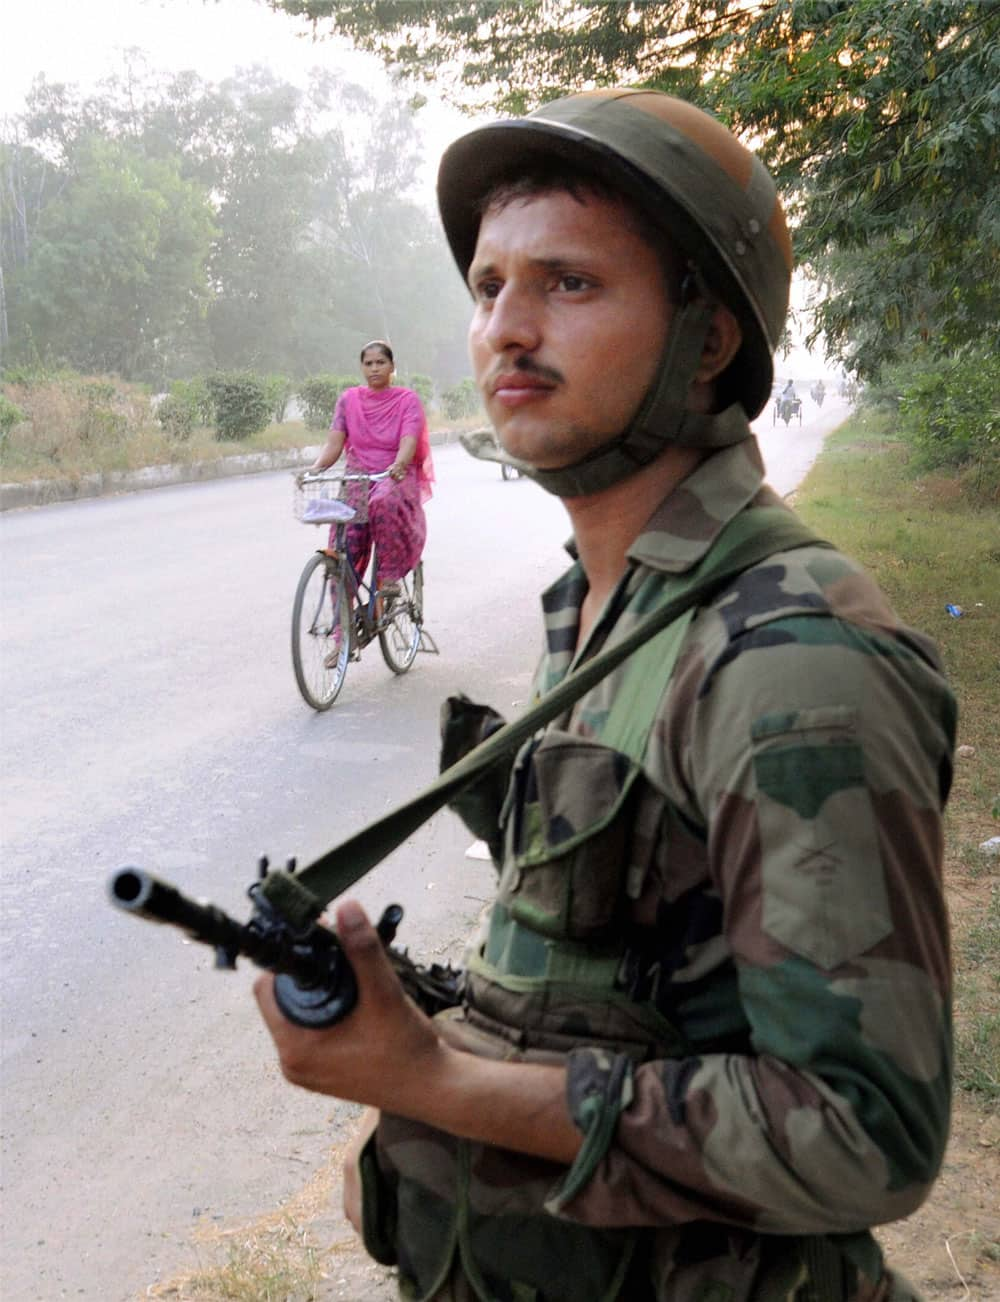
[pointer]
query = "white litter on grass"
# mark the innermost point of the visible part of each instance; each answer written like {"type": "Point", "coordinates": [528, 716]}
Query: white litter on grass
{"type": "Point", "coordinates": [992, 846]}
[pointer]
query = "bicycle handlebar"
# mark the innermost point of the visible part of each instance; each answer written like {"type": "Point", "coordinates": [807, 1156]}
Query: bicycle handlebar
{"type": "Point", "coordinates": [371, 477]}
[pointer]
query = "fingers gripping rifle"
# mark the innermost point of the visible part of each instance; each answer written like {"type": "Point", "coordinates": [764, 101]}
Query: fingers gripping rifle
{"type": "Point", "coordinates": [315, 984]}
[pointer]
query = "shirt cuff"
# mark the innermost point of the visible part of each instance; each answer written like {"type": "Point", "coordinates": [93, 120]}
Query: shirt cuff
{"type": "Point", "coordinates": [598, 1090]}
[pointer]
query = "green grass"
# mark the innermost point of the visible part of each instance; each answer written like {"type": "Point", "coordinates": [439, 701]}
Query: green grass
{"type": "Point", "coordinates": [978, 1038]}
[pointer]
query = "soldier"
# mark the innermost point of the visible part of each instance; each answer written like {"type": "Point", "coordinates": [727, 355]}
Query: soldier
{"type": "Point", "coordinates": [705, 1041]}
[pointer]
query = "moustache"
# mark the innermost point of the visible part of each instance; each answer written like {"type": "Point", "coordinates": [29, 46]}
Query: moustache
{"type": "Point", "coordinates": [526, 366]}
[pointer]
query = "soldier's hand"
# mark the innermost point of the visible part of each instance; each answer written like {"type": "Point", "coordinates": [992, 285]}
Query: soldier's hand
{"type": "Point", "coordinates": [381, 1053]}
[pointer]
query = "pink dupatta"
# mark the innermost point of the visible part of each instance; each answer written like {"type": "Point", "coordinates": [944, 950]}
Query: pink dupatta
{"type": "Point", "coordinates": [376, 420]}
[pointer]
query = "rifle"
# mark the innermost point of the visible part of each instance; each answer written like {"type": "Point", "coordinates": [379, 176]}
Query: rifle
{"type": "Point", "coordinates": [315, 984]}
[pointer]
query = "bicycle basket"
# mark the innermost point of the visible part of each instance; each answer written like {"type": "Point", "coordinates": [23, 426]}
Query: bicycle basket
{"type": "Point", "coordinates": [331, 500]}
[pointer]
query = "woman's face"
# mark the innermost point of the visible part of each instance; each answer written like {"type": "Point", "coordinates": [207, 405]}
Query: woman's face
{"type": "Point", "coordinates": [376, 368]}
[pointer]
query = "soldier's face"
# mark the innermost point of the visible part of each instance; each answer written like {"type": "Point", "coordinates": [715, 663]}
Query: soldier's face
{"type": "Point", "coordinates": [570, 320]}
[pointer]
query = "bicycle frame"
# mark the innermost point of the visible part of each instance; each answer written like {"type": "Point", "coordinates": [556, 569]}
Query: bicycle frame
{"type": "Point", "coordinates": [363, 594]}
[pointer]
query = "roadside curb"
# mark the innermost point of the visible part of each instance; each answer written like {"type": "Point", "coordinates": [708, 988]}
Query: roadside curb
{"type": "Point", "coordinates": [45, 492]}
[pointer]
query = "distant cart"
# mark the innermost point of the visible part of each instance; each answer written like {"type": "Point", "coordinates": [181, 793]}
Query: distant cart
{"type": "Point", "coordinates": [785, 409]}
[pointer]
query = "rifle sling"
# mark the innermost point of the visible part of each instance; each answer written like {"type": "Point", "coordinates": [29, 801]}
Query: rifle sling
{"type": "Point", "coordinates": [746, 540]}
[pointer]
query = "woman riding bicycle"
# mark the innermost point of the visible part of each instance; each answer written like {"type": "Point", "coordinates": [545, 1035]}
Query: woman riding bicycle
{"type": "Point", "coordinates": [383, 427]}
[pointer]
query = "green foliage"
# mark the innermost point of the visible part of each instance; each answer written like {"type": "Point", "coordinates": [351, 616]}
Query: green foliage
{"type": "Point", "coordinates": [875, 118]}
{"type": "Point", "coordinates": [175, 416]}
{"type": "Point", "coordinates": [10, 415]}
{"type": "Point", "coordinates": [279, 393]}
{"type": "Point", "coordinates": [25, 375]}
{"type": "Point", "coordinates": [241, 404]}
{"type": "Point", "coordinates": [102, 419]}
{"type": "Point", "coordinates": [950, 410]}
{"type": "Point", "coordinates": [166, 226]}
{"type": "Point", "coordinates": [186, 407]}
{"type": "Point", "coordinates": [460, 400]}
{"type": "Point", "coordinates": [979, 1045]}
{"type": "Point", "coordinates": [423, 387]}
{"type": "Point", "coordinates": [116, 262]}
{"type": "Point", "coordinates": [318, 395]}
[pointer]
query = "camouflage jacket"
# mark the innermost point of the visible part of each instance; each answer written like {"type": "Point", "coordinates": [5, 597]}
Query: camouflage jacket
{"type": "Point", "coordinates": [768, 1072]}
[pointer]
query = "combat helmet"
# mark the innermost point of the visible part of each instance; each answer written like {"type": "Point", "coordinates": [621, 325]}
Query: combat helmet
{"type": "Point", "coordinates": [716, 204]}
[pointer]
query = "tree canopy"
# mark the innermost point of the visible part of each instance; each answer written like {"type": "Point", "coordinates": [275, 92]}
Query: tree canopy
{"type": "Point", "coordinates": [879, 121]}
{"type": "Point", "coordinates": [163, 226]}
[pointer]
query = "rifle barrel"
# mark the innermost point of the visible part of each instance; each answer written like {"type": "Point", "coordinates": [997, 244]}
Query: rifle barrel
{"type": "Point", "coordinates": [146, 896]}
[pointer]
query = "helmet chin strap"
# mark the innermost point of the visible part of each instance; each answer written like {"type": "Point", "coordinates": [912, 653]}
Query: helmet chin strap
{"type": "Point", "coordinates": [663, 418]}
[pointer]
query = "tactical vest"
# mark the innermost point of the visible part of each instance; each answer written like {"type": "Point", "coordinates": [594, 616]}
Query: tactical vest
{"type": "Point", "coordinates": [552, 973]}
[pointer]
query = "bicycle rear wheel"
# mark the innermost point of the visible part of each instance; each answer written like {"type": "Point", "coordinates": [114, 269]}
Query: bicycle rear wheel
{"type": "Point", "coordinates": [321, 631]}
{"type": "Point", "coordinates": [399, 636]}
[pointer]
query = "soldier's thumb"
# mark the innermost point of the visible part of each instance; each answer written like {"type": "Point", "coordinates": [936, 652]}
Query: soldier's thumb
{"type": "Point", "coordinates": [364, 949]}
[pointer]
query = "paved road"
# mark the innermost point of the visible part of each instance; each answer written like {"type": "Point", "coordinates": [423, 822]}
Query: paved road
{"type": "Point", "coordinates": [149, 717]}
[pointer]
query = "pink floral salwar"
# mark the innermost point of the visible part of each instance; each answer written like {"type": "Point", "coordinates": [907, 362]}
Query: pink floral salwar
{"type": "Point", "coordinates": [374, 422]}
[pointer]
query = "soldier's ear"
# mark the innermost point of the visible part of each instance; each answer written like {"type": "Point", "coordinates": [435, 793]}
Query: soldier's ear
{"type": "Point", "coordinates": [721, 345]}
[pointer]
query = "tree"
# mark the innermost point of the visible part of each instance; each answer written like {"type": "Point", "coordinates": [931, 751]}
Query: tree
{"type": "Point", "coordinates": [28, 183]}
{"type": "Point", "coordinates": [315, 243]}
{"type": "Point", "coordinates": [115, 270]}
{"type": "Point", "coordinates": [880, 122]}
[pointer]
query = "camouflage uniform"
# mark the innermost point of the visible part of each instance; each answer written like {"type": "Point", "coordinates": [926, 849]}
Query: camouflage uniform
{"type": "Point", "coordinates": [720, 905]}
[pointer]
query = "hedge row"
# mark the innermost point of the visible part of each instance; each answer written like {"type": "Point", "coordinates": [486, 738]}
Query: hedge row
{"type": "Point", "coordinates": [239, 404]}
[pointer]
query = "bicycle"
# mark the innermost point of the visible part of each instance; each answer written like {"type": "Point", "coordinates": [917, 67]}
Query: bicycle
{"type": "Point", "coordinates": [336, 612]}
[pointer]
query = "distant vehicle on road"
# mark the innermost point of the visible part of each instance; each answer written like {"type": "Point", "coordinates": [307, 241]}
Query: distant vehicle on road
{"type": "Point", "coordinates": [787, 404]}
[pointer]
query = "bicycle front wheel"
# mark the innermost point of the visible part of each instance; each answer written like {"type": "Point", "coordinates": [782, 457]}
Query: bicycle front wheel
{"type": "Point", "coordinates": [321, 631]}
{"type": "Point", "coordinates": [399, 636]}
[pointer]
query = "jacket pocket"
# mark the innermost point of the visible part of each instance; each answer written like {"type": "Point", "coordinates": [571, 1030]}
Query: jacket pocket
{"type": "Point", "coordinates": [824, 891]}
{"type": "Point", "coordinates": [567, 826]}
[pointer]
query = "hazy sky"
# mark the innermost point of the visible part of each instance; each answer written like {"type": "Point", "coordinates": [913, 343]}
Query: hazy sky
{"type": "Point", "coordinates": [82, 41]}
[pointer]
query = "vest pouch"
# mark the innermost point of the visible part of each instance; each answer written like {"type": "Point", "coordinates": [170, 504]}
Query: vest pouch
{"type": "Point", "coordinates": [567, 826]}
{"type": "Point", "coordinates": [378, 1208]}
{"type": "Point", "coordinates": [464, 726]}
{"type": "Point", "coordinates": [458, 1209]}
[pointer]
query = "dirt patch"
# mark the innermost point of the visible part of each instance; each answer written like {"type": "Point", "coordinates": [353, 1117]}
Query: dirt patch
{"type": "Point", "coordinates": [305, 1251]}
{"type": "Point", "coordinates": [950, 1248]}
